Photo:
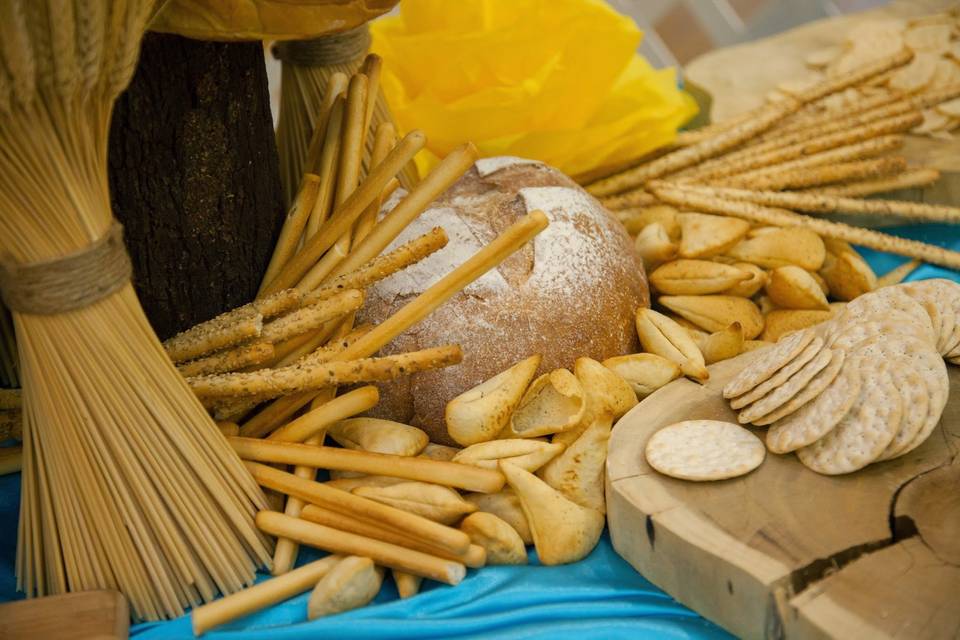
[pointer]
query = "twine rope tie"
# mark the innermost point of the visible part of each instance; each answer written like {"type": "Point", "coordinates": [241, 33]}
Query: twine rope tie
{"type": "Point", "coordinates": [69, 282]}
{"type": "Point", "coordinates": [325, 51]}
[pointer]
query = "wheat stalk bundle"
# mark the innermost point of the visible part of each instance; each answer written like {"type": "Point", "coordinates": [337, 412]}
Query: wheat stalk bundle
{"type": "Point", "coordinates": [311, 75]}
{"type": "Point", "coordinates": [127, 482]}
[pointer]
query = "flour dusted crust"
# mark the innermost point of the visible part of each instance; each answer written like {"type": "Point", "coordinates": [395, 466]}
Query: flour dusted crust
{"type": "Point", "coordinates": [573, 293]}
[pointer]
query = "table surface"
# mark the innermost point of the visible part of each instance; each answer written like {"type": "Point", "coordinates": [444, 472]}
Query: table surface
{"type": "Point", "coordinates": [601, 594]}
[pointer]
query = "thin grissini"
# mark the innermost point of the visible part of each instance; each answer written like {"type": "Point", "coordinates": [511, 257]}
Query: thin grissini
{"type": "Point", "coordinates": [906, 180]}
{"type": "Point", "coordinates": [448, 474]}
{"type": "Point", "coordinates": [319, 494]}
{"type": "Point", "coordinates": [689, 196]}
{"type": "Point", "coordinates": [313, 316]}
{"type": "Point", "coordinates": [347, 213]}
{"type": "Point", "coordinates": [234, 359]}
{"type": "Point", "coordinates": [508, 242]}
{"type": "Point", "coordinates": [383, 266]}
{"type": "Point", "coordinates": [346, 543]}
{"type": "Point", "coordinates": [841, 172]}
{"type": "Point", "coordinates": [857, 151]}
{"type": "Point", "coordinates": [326, 166]}
{"type": "Point", "coordinates": [266, 383]}
{"type": "Point", "coordinates": [293, 226]}
{"type": "Point", "coordinates": [821, 203]}
{"type": "Point", "coordinates": [475, 557]}
{"type": "Point", "coordinates": [762, 119]}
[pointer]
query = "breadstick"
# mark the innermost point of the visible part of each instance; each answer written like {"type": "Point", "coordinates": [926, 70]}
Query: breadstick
{"type": "Point", "coordinates": [475, 557]}
{"type": "Point", "coordinates": [827, 174]}
{"type": "Point", "coordinates": [384, 140]}
{"type": "Point", "coordinates": [348, 174]}
{"type": "Point", "coordinates": [371, 67]}
{"type": "Point", "coordinates": [688, 156]}
{"type": "Point", "coordinates": [383, 266]}
{"type": "Point", "coordinates": [830, 204]}
{"type": "Point", "coordinates": [313, 316]}
{"type": "Point", "coordinates": [448, 474]}
{"type": "Point", "coordinates": [855, 77]}
{"type": "Point", "coordinates": [858, 151]}
{"type": "Point", "coordinates": [327, 168]}
{"type": "Point", "coordinates": [11, 399]}
{"type": "Point", "coordinates": [905, 180]}
{"type": "Point", "coordinates": [276, 304]}
{"type": "Point", "coordinates": [450, 169]}
{"type": "Point", "coordinates": [347, 213]}
{"type": "Point", "coordinates": [11, 459]}
{"type": "Point", "coordinates": [270, 383]}
{"type": "Point", "coordinates": [228, 429]}
{"type": "Point", "coordinates": [806, 148]}
{"type": "Point", "coordinates": [260, 596]}
{"type": "Point", "coordinates": [508, 242]}
{"type": "Point", "coordinates": [223, 331]}
{"type": "Point", "coordinates": [316, 420]}
{"type": "Point", "coordinates": [898, 274]}
{"type": "Point", "coordinates": [343, 542]}
{"type": "Point", "coordinates": [317, 493]}
{"type": "Point", "coordinates": [629, 199]}
{"type": "Point", "coordinates": [336, 87]}
{"type": "Point", "coordinates": [688, 197]}
{"type": "Point", "coordinates": [232, 360]}
{"type": "Point", "coordinates": [293, 226]}
{"type": "Point", "coordinates": [11, 425]}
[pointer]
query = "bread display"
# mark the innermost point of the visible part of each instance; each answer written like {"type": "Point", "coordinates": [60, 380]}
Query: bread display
{"type": "Point", "coordinates": [573, 293]}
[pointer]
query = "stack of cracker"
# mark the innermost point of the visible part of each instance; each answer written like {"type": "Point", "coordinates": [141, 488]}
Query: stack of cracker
{"type": "Point", "coordinates": [802, 153]}
{"type": "Point", "coordinates": [869, 385]}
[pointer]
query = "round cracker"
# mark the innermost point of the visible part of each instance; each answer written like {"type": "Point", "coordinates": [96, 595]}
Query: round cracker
{"type": "Point", "coordinates": [818, 417]}
{"type": "Point", "coordinates": [880, 302]}
{"type": "Point", "coordinates": [869, 426]}
{"type": "Point", "coordinates": [916, 405]}
{"type": "Point", "coordinates": [941, 298]}
{"type": "Point", "coordinates": [782, 394]}
{"type": "Point", "coordinates": [851, 333]}
{"type": "Point", "coordinates": [780, 377]}
{"type": "Point", "coordinates": [767, 362]}
{"type": "Point", "coordinates": [704, 450]}
{"type": "Point", "coordinates": [813, 389]}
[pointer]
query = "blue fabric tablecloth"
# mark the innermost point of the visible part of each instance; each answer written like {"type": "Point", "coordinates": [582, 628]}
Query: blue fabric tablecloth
{"type": "Point", "coordinates": [602, 596]}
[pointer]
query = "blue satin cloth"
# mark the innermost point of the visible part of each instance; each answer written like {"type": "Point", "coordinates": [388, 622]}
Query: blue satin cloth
{"type": "Point", "coordinates": [599, 597]}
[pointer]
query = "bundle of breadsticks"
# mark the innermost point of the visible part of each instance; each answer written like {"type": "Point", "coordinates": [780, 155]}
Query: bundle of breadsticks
{"type": "Point", "coordinates": [727, 220]}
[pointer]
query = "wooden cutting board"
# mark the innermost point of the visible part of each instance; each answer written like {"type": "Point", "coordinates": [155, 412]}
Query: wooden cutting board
{"type": "Point", "coordinates": [784, 552]}
{"type": "Point", "coordinates": [74, 616]}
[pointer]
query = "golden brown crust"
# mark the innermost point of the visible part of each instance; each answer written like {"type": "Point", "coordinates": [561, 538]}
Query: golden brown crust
{"type": "Point", "coordinates": [584, 306]}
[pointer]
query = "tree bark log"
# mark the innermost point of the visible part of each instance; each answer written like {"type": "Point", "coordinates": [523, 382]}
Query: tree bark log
{"type": "Point", "coordinates": [194, 177]}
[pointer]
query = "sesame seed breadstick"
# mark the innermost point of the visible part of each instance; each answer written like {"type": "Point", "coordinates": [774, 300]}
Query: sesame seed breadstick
{"type": "Point", "coordinates": [383, 266]}
{"type": "Point", "coordinates": [815, 114]}
{"type": "Point", "coordinates": [693, 198]}
{"type": "Point", "coordinates": [270, 383]}
{"type": "Point", "coordinates": [855, 77]}
{"type": "Point", "coordinates": [906, 180]}
{"type": "Point", "coordinates": [629, 199]}
{"type": "Point", "coordinates": [313, 316]}
{"type": "Point", "coordinates": [806, 148]}
{"type": "Point", "coordinates": [858, 151]}
{"type": "Point", "coordinates": [234, 359]}
{"type": "Point", "coordinates": [829, 204]}
{"type": "Point", "coordinates": [828, 174]}
{"type": "Point", "coordinates": [213, 335]}
{"type": "Point", "coordinates": [693, 154]}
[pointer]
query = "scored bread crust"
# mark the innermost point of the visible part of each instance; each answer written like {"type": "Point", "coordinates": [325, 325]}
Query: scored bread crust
{"type": "Point", "coordinates": [573, 293]}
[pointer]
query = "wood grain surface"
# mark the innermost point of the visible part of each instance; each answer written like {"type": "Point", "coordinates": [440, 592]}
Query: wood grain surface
{"type": "Point", "coordinates": [786, 552]}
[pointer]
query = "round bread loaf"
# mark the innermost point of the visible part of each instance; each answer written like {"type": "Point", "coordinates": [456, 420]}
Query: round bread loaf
{"type": "Point", "coordinates": [572, 292]}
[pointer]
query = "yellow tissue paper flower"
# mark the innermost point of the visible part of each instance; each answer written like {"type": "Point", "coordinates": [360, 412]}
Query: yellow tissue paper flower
{"type": "Point", "coordinates": [554, 80]}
